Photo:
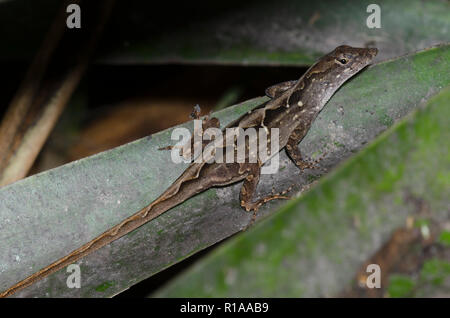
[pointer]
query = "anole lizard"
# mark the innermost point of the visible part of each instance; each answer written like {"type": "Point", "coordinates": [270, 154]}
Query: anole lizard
{"type": "Point", "coordinates": [292, 109]}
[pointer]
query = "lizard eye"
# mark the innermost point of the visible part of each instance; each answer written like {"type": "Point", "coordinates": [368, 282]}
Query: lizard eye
{"type": "Point", "coordinates": [343, 61]}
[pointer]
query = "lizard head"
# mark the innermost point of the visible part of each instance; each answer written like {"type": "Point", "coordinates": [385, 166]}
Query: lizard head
{"type": "Point", "coordinates": [322, 79]}
{"type": "Point", "coordinates": [353, 57]}
{"type": "Point", "coordinates": [345, 61]}
{"type": "Point", "coordinates": [341, 64]}
{"type": "Point", "coordinates": [332, 70]}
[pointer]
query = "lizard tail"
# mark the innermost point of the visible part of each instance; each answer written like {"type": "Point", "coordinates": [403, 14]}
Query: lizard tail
{"type": "Point", "coordinates": [170, 198]}
{"type": "Point", "coordinates": [107, 237]}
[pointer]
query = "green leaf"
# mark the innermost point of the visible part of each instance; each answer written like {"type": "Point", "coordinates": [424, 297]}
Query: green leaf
{"type": "Point", "coordinates": [435, 271]}
{"type": "Point", "coordinates": [444, 238]}
{"type": "Point", "coordinates": [400, 286]}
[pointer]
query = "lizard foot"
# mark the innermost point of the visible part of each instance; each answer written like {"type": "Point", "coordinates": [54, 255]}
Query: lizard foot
{"type": "Point", "coordinates": [254, 206]}
{"type": "Point", "coordinates": [311, 164]}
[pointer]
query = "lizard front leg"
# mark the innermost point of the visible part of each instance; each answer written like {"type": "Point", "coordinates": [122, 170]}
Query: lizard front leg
{"type": "Point", "coordinates": [249, 188]}
{"type": "Point", "coordinates": [276, 90]}
{"type": "Point", "coordinates": [294, 153]}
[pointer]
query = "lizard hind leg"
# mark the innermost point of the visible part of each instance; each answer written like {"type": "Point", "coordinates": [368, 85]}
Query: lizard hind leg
{"type": "Point", "coordinates": [294, 153]}
{"type": "Point", "coordinates": [248, 191]}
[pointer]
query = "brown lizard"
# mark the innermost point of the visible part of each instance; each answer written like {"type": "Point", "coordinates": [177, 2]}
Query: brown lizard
{"type": "Point", "coordinates": [292, 109]}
